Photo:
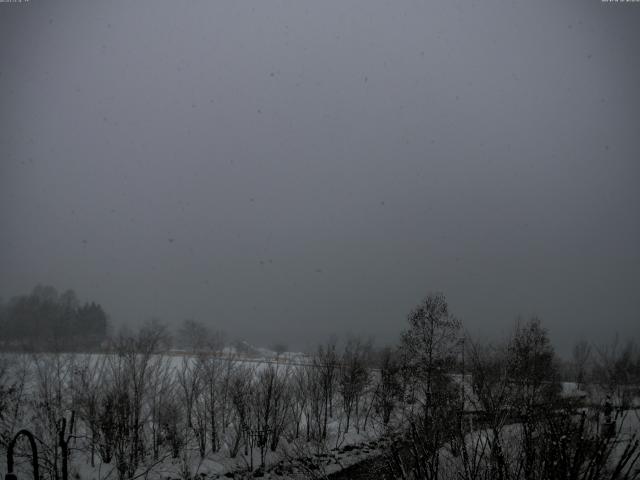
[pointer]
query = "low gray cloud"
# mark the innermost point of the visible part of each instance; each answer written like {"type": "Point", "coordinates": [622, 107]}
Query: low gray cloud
{"type": "Point", "coordinates": [292, 169]}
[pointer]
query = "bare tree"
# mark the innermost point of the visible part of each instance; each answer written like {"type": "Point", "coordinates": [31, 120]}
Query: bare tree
{"type": "Point", "coordinates": [581, 355]}
{"type": "Point", "coordinates": [326, 363]}
{"type": "Point", "coordinates": [196, 336]}
{"type": "Point", "coordinates": [428, 349]}
{"type": "Point", "coordinates": [388, 389]}
{"type": "Point", "coordinates": [214, 389]}
{"type": "Point", "coordinates": [429, 344]}
{"type": "Point", "coordinates": [617, 371]}
{"type": "Point", "coordinates": [88, 387]}
{"type": "Point", "coordinates": [51, 405]}
{"type": "Point", "coordinates": [240, 390]}
{"type": "Point", "coordinates": [130, 369]}
{"type": "Point", "coordinates": [161, 388]}
{"type": "Point", "coordinates": [353, 378]}
{"type": "Point", "coordinates": [491, 400]}
{"type": "Point", "coordinates": [14, 370]}
{"type": "Point", "coordinates": [533, 369]}
{"type": "Point", "coordinates": [189, 382]}
{"type": "Point", "coordinates": [315, 406]}
{"type": "Point", "coordinates": [300, 399]}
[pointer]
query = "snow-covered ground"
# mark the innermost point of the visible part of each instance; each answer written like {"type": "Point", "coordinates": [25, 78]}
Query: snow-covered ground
{"type": "Point", "coordinates": [340, 448]}
{"type": "Point", "coordinates": [293, 458]}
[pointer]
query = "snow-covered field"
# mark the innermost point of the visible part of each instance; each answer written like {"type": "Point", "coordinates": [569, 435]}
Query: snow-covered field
{"type": "Point", "coordinates": [46, 388]}
{"type": "Point", "coordinates": [186, 402]}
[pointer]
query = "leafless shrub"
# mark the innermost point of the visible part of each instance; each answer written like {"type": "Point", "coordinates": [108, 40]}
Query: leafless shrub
{"type": "Point", "coordinates": [13, 395]}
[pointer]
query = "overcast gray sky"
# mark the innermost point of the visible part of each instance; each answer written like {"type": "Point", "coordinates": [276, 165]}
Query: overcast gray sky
{"type": "Point", "coordinates": [292, 169]}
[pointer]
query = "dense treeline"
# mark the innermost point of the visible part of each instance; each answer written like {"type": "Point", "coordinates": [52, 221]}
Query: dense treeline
{"type": "Point", "coordinates": [45, 319]}
{"type": "Point", "coordinates": [445, 405]}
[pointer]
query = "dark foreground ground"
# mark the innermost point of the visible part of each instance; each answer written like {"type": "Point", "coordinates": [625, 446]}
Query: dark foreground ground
{"type": "Point", "coordinates": [373, 468]}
